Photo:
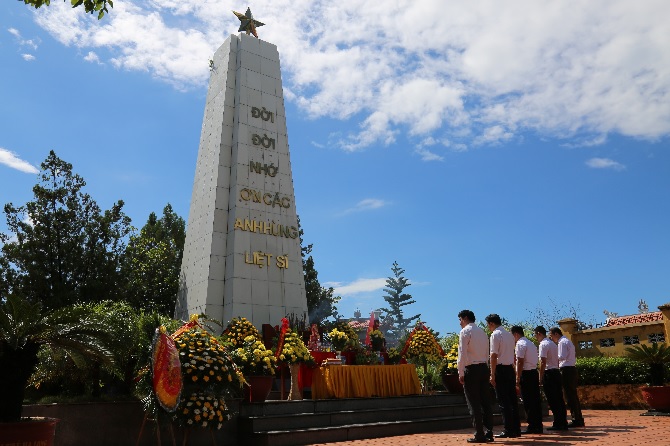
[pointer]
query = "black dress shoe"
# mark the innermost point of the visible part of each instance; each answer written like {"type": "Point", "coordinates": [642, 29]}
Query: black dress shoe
{"type": "Point", "coordinates": [507, 435]}
{"type": "Point", "coordinates": [489, 435]}
{"type": "Point", "coordinates": [558, 428]}
{"type": "Point", "coordinates": [532, 431]}
{"type": "Point", "coordinates": [476, 439]}
{"type": "Point", "coordinates": [575, 423]}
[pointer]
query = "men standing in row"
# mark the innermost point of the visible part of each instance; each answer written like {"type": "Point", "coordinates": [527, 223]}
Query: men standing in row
{"type": "Point", "coordinates": [566, 364]}
{"type": "Point", "coordinates": [503, 376]}
{"type": "Point", "coordinates": [473, 373]}
{"type": "Point", "coordinates": [528, 380]}
{"type": "Point", "coordinates": [550, 379]}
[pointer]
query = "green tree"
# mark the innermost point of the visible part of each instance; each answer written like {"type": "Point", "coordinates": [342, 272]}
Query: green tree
{"type": "Point", "coordinates": [63, 249]}
{"type": "Point", "coordinates": [90, 6]}
{"type": "Point", "coordinates": [397, 299]}
{"type": "Point", "coordinates": [321, 301]}
{"type": "Point", "coordinates": [152, 263]}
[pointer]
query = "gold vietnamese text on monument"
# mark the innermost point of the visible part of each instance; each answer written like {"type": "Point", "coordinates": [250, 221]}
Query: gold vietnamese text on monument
{"type": "Point", "coordinates": [248, 23]}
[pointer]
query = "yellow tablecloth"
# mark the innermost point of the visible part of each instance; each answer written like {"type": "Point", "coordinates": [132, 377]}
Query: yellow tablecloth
{"type": "Point", "coordinates": [364, 381]}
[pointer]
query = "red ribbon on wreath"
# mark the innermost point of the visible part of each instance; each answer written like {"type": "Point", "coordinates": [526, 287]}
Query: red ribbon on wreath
{"type": "Point", "coordinates": [411, 335]}
{"type": "Point", "coordinates": [282, 334]}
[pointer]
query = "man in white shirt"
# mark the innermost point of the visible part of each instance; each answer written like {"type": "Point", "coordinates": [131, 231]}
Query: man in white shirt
{"type": "Point", "coordinates": [473, 373]}
{"type": "Point", "coordinates": [502, 376]}
{"type": "Point", "coordinates": [566, 364]}
{"type": "Point", "coordinates": [527, 380]}
{"type": "Point", "coordinates": [550, 379]}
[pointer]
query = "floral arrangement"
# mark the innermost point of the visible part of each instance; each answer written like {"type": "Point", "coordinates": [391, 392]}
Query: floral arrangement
{"type": "Point", "coordinates": [209, 374]}
{"type": "Point", "coordinates": [293, 350]}
{"type": "Point", "coordinates": [338, 338]}
{"type": "Point", "coordinates": [365, 356]}
{"type": "Point", "coordinates": [204, 410]}
{"type": "Point", "coordinates": [254, 359]}
{"type": "Point", "coordinates": [237, 331]}
{"type": "Point", "coordinates": [376, 340]}
{"type": "Point", "coordinates": [450, 361]}
{"type": "Point", "coordinates": [393, 355]}
{"type": "Point", "coordinates": [423, 346]}
{"type": "Point", "coordinates": [348, 329]}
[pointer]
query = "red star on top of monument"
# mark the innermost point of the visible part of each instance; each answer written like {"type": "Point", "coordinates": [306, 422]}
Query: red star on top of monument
{"type": "Point", "coordinates": [248, 23]}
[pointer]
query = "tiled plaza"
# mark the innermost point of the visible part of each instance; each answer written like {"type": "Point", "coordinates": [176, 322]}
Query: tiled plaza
{"type": "Point", "coordinates": [603, 427]}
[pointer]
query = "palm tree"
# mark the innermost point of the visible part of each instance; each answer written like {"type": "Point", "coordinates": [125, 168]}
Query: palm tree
{"type": "Point", "coordinates": [655, 356]}
{"type": "Point", "coordinates": [25, 327]}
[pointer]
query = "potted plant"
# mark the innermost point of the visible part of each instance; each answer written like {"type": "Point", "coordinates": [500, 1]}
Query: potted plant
{"type": "Point", "coordinates": [258, 365]}
{"type": "Point", "coordinates": [338, 339]}
{"type": "Point", "coordinates": [77, 331]}
{"type": "Point", "coordinates": [656, 356]}
{"type": "Point", "coordinates": [377, 340]}
{"type": "Point", "coordinates": [292, 351]}
{"type": "Point", "coordinates": [449, 371]}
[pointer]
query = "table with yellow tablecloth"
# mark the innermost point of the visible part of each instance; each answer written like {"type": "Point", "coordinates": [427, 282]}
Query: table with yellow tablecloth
{"type": "Point", "coordinates": [364, 381]}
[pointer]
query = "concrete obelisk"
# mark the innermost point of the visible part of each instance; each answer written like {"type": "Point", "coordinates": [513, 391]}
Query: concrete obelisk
{"type": "Point", "coordinates": [242, 252]}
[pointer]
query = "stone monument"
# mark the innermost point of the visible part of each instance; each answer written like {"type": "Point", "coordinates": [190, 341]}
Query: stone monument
{"type": "Point", "coordinates": [242, 254]}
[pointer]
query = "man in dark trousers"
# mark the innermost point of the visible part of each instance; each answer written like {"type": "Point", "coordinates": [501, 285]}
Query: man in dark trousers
{"type": "Point", "coordinates": [566, 364]}
{"type": "Point", "coordinates": [528, 380]}
{"type": "Point", "coordinates": [550, 379]}
{"type": "Point", "coordinates": [473, 373]}
{"type": "Point", "coordinates": [503, 376]}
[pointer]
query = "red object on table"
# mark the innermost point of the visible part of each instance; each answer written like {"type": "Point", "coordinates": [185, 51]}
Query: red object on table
{"type": "Point", "coordinates": [305, 375]}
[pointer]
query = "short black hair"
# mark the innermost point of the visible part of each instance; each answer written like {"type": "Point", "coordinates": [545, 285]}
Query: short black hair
{"type": "Point", "coordinates": [540, 329]}
{"type": "Point", "coordinates": [556, 330]}
{"type": "Point", "coordinates": [467, 314]}
{"type": "Point", "coordinates": [517, 329]}
{"type": "Point", "coordinates": [493, 319]}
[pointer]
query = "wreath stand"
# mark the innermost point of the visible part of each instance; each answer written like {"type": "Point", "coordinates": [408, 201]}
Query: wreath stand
{"type": "Point", "coordinates": [158, 430]}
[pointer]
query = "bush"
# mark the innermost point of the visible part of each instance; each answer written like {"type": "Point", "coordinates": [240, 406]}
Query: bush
{"type": "Point", "coordinates": [602, 370]}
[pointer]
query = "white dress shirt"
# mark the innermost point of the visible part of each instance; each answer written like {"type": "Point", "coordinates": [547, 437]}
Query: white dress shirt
{"type": "Point", "coordinates": [527, 351]}
{"type": "Point", "coordinates": [473, 347]}
{"type": "Point", "coordinates": [502, 344]}
{"type": "Point", "coordinates": [566, 352]}
{"type": "Point", "coordinates": [549, 351]}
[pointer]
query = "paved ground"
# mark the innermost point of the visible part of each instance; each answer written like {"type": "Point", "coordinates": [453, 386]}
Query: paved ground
{"type": "Point", "coordinates": [603, 427]}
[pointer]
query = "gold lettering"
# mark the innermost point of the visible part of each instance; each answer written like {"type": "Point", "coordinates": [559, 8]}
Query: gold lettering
{"type": "Point", "coordinates": [286, 202]}
{"type": "Point", "coordinates": [254, 166]}
{"type": "Point", "coordinates": [257, 226]}
{"type": "Point", "coordinates": [248, 225]}
{"type": "Point", "coordinates": [247, 259]}
{"type": "Point", "coordinates": [238, 224]}
{"type": "Point", "coordinates": [244, 194]}
{"type": "Point", "coordinates": [268, 228]}
{"type": "Point", "coordinates": [256, 195]}
{"type": "Point", "coordinates": [265, 196]}
{"type": "Point", "coordinates": [282, 262]}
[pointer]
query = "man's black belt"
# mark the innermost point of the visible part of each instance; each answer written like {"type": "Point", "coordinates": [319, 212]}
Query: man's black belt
{"type": "Point", "coordinates": [474, 365]}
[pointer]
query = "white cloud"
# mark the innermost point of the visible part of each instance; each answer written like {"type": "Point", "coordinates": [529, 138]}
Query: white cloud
{"type": "Point", "coordinates": [28, 57]}
{"type": "Point", "coordinates": [604, 163]}
{"type": "Point", "coordinates": [12, 160]}
{"type": "Point", "coordinates": [427, 155]}
{"type": "Point", "coordinates": [93, 58]}
{"type": "Point", "coordinates": [358, 286]}
{"type": "Point", "coordinates": [366, 204]}
{"type": "Point", "coordinates": [474, 73]}
{"type": "Point", "coordinates": [21, 41]}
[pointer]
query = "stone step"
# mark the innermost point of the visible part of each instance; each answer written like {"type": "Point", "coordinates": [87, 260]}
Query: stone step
{"type": "Point", "coordinates": [284, 423]}
{"type": "Point", "coordinates": [257, 424]}
{"type": "Point", "coordinates": [348, 432]}
{"type": "Point", "coordinates": [346, 404]}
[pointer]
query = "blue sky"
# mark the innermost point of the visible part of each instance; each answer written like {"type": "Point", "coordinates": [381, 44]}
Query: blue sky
{"type": "Point", "coordinates": [503, 153]}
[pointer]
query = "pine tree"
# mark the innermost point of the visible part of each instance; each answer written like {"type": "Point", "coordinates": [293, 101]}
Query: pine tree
{"type": "Point", "coordinates": [396, 300]}
{"type": "Point", "coordinates": [152, 263]}
{"type": "Point", "coordinates": [63, 248]}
